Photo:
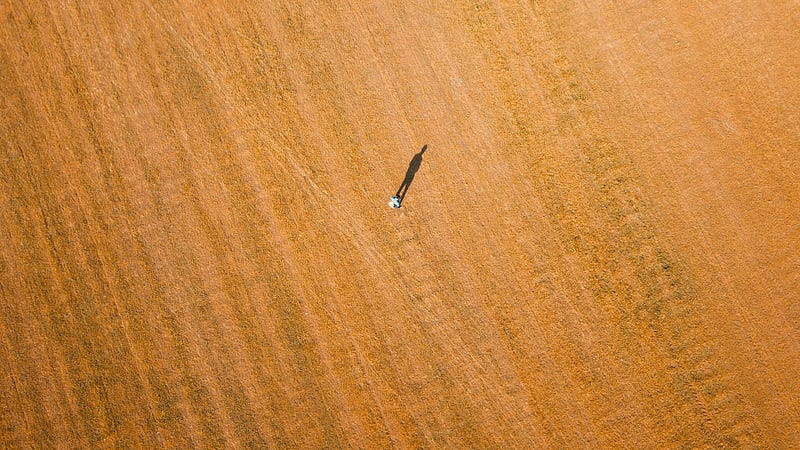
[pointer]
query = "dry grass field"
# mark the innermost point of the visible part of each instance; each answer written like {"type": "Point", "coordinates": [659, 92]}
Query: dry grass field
{"type": "Point", "coordinates": [601, 248]}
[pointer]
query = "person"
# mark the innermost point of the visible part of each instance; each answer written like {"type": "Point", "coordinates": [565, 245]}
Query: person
{"type": "Point", "coordinates": [413, 167]}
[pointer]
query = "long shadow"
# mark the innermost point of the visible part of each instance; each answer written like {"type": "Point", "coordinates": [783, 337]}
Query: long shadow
{"type": "Point", "coordinates": [413, 167]}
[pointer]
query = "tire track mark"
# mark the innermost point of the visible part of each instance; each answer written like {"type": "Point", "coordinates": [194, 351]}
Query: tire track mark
{"type": "Point", "coordinates": [650, 308]}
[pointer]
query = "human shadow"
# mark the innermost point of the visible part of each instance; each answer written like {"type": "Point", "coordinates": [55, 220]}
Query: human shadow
{"type": "Point", "coordinates": [413, 167]}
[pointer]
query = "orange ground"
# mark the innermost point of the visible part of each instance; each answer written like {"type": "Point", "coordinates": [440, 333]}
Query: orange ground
{"type": "Point", "coordinates": [600, 250]}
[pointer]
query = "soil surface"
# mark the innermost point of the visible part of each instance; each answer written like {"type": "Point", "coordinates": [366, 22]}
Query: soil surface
{"type": "Point", "coordinates": [600, 247]}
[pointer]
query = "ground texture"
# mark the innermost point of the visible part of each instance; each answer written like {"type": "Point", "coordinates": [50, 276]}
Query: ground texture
{"type": "Point", "coordinates": [601, 248]}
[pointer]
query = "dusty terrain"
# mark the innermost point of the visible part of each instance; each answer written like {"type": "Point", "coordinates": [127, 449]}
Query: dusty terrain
{"type": "Point", "coordinates": [601, 248]}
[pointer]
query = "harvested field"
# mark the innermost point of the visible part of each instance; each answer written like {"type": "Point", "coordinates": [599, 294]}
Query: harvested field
{"type": "Point", "coordinates": [600, 249]}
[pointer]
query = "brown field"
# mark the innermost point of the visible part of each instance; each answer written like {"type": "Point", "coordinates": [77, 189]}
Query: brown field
{"type": "Point", "coordinates": [600, 250]}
